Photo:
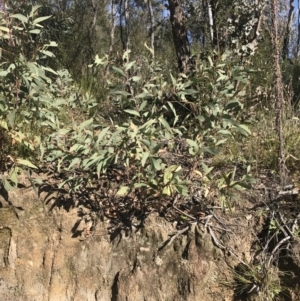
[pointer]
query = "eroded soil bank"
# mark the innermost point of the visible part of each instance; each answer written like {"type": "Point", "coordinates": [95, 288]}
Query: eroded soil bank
{"type": "Point", "coordinates": [49, 253]}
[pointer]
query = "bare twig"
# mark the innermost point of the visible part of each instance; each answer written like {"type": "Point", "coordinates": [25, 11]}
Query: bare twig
{"type": "Point", "coordinates": [215, 240]}
{"type": "Point", "coordinates": [177, 209]}
{"type": "Point", "coordinates": [217, 219]}
{"type": "Point", "coordinates": [182, 212]}
{"type": "Point", "coordinates": [277, 247]}
{"type": "Point", "coordinates": [177, 234]}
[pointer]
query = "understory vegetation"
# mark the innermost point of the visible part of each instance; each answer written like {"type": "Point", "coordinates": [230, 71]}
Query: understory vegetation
{"type": "Point", "coordinates": [129, 118]}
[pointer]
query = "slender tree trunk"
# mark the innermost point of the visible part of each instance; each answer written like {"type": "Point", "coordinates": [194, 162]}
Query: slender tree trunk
{"type": "Point", "coordinates": [112, 33]}
{"type": "Point", "coordinates": [287, 34]}
{"type": "Point", "coordinates": [298, 40]}
{"type": "Point", "coordinates": [210, 21]}
{"type": "Point", "coordinates": [180, 38]}
{"type": "Point", "coordinates": [126, 9]}
{"type": "Point", "coordinates": [113, 27]}
{"type": "Point", "coordinates": [121, 16]}
{"type": "Point", "coordinates": [279, 101]}
{"type": "Point", "coordinates": [94, 4]}
{"type": "Point", "coordinates": [151, 26]}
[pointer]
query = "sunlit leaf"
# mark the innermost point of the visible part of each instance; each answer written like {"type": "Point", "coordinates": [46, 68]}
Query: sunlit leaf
{"type": "Point", "coordinates": [132, 112]}
{"type": "Point", "coordinates": [20, 17]}
{"type": "Point", "coordinates": [3, 124]}
{"type": "Point", "coordinates": [26, 163]}
{"type": "Point", "coordinates": [123, 191]}
{"type": "Point", "coordinates": [40, 19]}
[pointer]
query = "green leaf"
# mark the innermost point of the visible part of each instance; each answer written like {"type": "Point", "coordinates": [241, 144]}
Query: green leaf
{"type": "Point", "coordinates": [11, 117]}
{"type": "Point", "coordinates": [139, 185]}
{"type": "Point", "coordinates": [225, 132]}
{"type": "Point", "coordinates": [14, 176]}
{"type": "Point", "coordinates": [206, 169]}
{"type": "Point", "coordinates": [233, 105]}
{"type": "Point", "coordinates": [3, 73]}
{"type": "Point", "coordinates": [220, 142]}
{"type": "Point", "coordinates": [99, 168]}
{"type": "Point", "coordinates": [27, 163]}
{"type": "Point", "coordinates": [35, 31]}
{"type": "Point", "coordinates": [42, 150]}
{"type": "Point", "coordinates": [173, 80]}
{"type": "Point", "coordinates": [135, 78]}
{"type": "Point", "coordinates": [132, 112]}
{"type": "Point", "coordinates": [167, 190]}
{"type": "Point", "coordinates": [86, 123]}
{"type": "Point", "coordinates": [118, 70]}
{"type": "Point", "coordinates": [242, 184]}
{"type": "Point", "coordinates": [48, 53]}
{"type": "Point", "coordinates": [190, 91]}
{"type": "Point", "coordinates": [40, 19]}
{"type": "Point", "coordinates": [52, 44]}
{"type": "Point", "coordinates": [243, 129]}
{"type": "Point", "coordinates": [209, 150]}
{"type": "Point", "coordinates": [2, 28]}
{"type": "Point", "coordinates": [174, 112]}
{"type": "Point", "coordinates": [49, 69]}
{"type": "Point", "coordinates": [164, 123]}
{"type": "Point", "coordinates": [169, 173]}
{"type": "Point", "coordinates": [102, 134]}
{"type": "Point", "coordinates": [3, 124]}
{"type": "Point", "coordinates": [156, 163]}
{"type": "Point", "coordinates": [34, 9]}
{"type": "Point", "coordinates": [129, 65]}
{"type": "Point", "coordinates": [20, 17]}
{"type": "Point", "coordinates": [123, 191]}
{"type": "Point", "coordinates": [194, 147]}
{"type": "Point", "coordinates": [6, 184]}
{"type": "Point", "coordinates": [144, 95]}
{"type": "Point", "coordinates": [144, 159]}
{"type": "Point", "coordinates": [182, 189]}
{"type": "Point", "coordinates": [74, 162]}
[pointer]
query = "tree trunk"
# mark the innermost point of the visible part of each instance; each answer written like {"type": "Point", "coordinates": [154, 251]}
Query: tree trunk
{"type": "Point", "coordinates": [180, 38]}
{"type": "Point", "coordinates": [121, 16]}
{"type": "Point", "coordinates": [151, 26]}
{"type": "Point", "coordinates": [279, 101]}
{"type": "Point", "coordinates": [94, 4]}
{"type": "Point", "coordinates": [126, 8]}
{"type": "Point", "coordinates": [298, 40]}
{"type": "Point", "coordinates": [287, 34]}
{"type": "Point", "coordinates": [210, 21]}
{"type": "Point", "coordinates": [113, 26]}
{"type": "Point", "coordinates": [112, 34]}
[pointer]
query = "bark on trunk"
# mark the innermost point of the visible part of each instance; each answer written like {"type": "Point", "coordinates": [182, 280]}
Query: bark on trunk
{"type": "Point", "coordinates": [287, 34]}
{"type": "Point", "coordinates": [279, 101]}
{"type": "Point", "coordinates": [180, 38]}
{"type": "Point", "coordinates": [298, 39]}
{"type": "Point", "coordinates": [211, 21]}
{"type": "Point", "coordinates": [113, 27]}
{"type": "Point", "coordinates": [127, 24]}
{"type": "Point", "coordinates": [94, 4]}
{"type": "Point", "coordinates": [151, 26]}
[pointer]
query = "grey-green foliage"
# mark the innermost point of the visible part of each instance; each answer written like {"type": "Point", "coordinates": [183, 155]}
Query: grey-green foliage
{"type": "Point", "coordinates": [160, 118]}
{"type": "Point", "coordinates": [153, 128]}
{"type": "Point", "coordinates": [30, 93]}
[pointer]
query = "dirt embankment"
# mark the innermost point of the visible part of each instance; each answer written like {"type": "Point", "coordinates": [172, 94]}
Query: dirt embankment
{"type": "Point", "coordinates": [54, 253]}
